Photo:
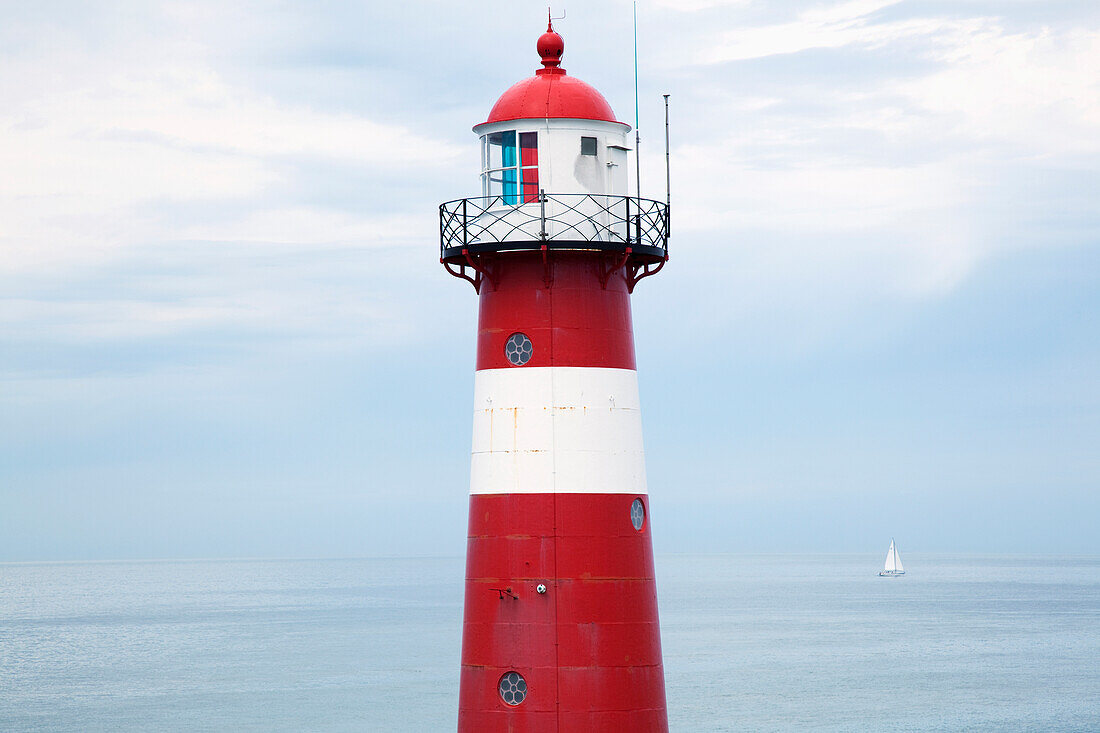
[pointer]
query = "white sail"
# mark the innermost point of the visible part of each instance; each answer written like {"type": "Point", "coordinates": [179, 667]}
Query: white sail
{"type": "Point", "coordinates": [891, 559]}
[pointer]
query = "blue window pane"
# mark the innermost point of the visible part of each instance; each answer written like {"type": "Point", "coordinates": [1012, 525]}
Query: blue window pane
{"type": "Point", "coordinates": [510, 196]}
{"type": "Point", "coordinates": [508, 141]}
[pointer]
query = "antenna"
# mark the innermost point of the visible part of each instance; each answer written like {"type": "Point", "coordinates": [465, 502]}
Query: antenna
{"type": "Point", "coordinates": [668, 176]}
{"type": "Point", "coordinates": [637, 133]}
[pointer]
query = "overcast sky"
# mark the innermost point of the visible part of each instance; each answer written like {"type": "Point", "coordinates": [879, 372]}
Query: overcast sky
{"type": "Point", "coordinates": [224, 330]}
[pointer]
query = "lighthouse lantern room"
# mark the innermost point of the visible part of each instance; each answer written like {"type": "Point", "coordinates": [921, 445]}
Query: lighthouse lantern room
{"type": "Point", "coordinates": [560, 628]}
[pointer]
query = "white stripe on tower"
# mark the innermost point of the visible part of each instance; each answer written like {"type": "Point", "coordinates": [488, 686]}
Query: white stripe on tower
{"type": "Point", "coordinates": [557, 430]}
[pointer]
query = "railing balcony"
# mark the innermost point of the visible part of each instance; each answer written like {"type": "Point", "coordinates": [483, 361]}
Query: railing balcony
{"type": "Point", "coordinates": [555, 221]}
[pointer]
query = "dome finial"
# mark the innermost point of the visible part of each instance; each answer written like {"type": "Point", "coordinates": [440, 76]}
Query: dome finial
{"type": "Point", "coordinates": [550, 46]}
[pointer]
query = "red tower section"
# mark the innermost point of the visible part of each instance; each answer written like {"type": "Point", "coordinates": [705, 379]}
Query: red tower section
{"type": "Point", "coordinates": [560, 630]}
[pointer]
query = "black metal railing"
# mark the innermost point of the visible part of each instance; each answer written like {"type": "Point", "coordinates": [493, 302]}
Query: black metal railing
{"type": "Point", "coordinates": [567, 221]}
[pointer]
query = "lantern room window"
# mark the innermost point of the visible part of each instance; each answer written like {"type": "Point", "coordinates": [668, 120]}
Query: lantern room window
{"type": "Point", "coordinates": [509, 170]}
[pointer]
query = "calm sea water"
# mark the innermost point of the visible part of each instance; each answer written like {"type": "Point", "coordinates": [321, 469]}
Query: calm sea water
{"type": "Point", "coordinates": [750, 643]}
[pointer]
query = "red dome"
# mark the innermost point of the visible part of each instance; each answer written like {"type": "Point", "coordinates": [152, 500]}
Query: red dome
{"type": "Point", "coordinates": [551, 93]}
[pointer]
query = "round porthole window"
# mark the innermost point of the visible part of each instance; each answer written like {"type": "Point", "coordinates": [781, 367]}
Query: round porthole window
{"type": "Point", "coordinates": [637, 514]}
{"type": "Point", "coordinates": [513, 688]}
{"type": "Point", "coordinates": [519, 349]}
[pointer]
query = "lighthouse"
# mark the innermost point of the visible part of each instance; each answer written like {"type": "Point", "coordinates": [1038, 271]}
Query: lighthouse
{"type": "Point", "coordinates": [560, 628]}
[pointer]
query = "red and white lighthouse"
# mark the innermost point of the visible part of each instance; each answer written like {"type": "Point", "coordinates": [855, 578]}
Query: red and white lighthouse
{"type": "Point", "coordinates": [560, 630]}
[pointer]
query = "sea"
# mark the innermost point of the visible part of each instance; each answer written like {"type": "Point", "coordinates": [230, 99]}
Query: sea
{"type": "Point", "coordinates": [751, 643]}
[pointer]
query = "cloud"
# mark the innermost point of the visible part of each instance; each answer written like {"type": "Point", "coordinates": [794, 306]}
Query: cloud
{"type": "Point", "coordinates": [831, 26]}
{"type": "Point", "coordinates": [149, 198]}
{"type": "Point", "coordinates": [1038, 90]}
{"type": "Point", "coordinates": [1036, 87]}
{"type": "Point", "coordinates": [882, 151]}
{"type": "Point", "coordinates": [692, 6]}
{"type": "Point", "coordinates": [82, 161]}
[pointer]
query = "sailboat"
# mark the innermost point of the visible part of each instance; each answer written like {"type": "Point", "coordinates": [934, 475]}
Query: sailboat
{"type": "Point", "coordinates": [893, 562]}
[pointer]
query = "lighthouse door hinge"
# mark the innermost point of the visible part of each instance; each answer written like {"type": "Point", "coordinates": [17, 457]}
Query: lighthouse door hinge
{"type": "Point", "coordinates": [505, 592]}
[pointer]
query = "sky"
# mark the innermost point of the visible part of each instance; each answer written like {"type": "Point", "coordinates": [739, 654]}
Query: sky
{"type": "Point", "coordinates": [224, 331]}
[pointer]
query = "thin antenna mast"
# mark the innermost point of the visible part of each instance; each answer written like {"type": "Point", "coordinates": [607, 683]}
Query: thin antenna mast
{"type": "Point", "coordinates": [668, 176]}
{"type": "Point", "coordinates": [637, 134]}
